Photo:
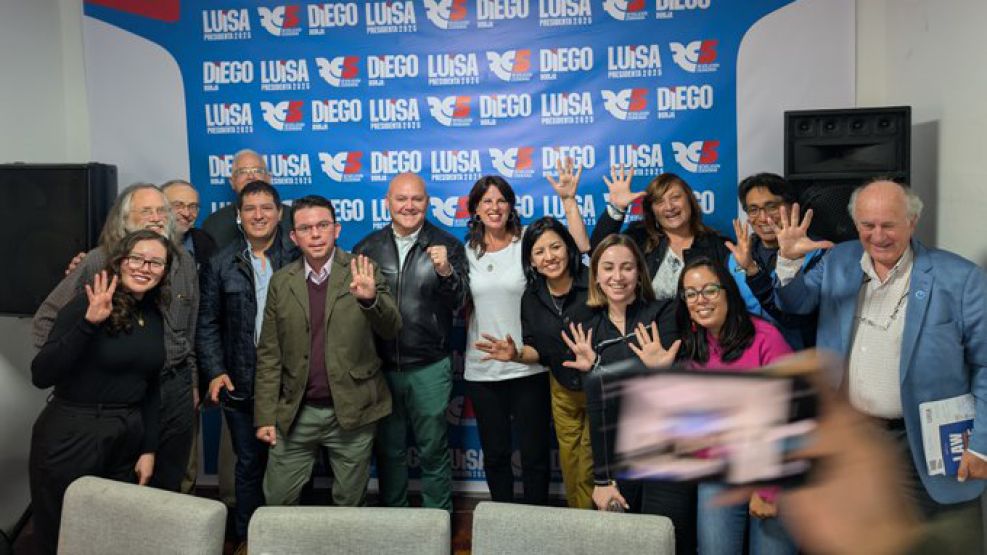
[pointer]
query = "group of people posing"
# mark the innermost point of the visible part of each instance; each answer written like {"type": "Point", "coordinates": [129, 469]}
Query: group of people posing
{"type": "Point", "coordinates": [306, 346]}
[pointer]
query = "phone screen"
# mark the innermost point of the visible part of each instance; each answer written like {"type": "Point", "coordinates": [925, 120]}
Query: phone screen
{"type": "Point", "coordinates": [740, 428]}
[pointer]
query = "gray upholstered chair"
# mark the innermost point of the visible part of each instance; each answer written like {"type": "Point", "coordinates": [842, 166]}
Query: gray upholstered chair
{"type": "Point", "coordinates": [104, 517]}
{"type": "Point", "coordinates": [370, 530]}
{"type": "Point", "coordinates": [509, 528]}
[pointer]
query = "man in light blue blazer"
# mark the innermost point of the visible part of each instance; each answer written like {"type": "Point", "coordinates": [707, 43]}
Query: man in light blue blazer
{"type": "Point", "coordinates": [911, 322]}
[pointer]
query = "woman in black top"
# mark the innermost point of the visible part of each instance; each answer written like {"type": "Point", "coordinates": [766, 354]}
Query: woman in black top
{"type": "Point", "coordinates": [671, 232]}
{"type": "Point", "coordinates": [554, 297]}
{"type": "Point", "coordinates": [103, 357]}
{"type": "Point", "coordinates": [626, 319]}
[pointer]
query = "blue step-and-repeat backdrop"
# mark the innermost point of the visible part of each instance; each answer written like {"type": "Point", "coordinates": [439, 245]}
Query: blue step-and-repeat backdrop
{"type": "Point", "coordinates": [340, 96]}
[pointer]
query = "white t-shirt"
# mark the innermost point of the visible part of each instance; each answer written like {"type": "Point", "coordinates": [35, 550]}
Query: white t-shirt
{"type": "Point", "coordinates": [497, 284]}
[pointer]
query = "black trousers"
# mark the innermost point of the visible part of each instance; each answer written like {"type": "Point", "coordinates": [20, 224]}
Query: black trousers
{"type": "Point", "coordinates": [527, 401]}
{"type": "Point", "coordinates": [675, 500]}
{"type": "Point", "coordinates": [176, 431]}
{"type": "Point", "coordinates": [70, 441]}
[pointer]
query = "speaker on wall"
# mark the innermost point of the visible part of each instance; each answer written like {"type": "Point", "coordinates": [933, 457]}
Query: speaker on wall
{"type": "Point", "coordinates": [49, 213]}
{"type": "Point", "coordinates": [829, 153]}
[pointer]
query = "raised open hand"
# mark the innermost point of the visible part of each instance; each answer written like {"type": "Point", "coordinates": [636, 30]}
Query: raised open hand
{"type": "Point", "coordinates": [619, 185]}
{"type": "Point", "coordinates": [742, 248]}
{"type": "Point", "coordinates": [363, 285]}
{"type": "Point", "coordinates": [503, 350]}
{"type": "Point", "coordinates": [568, 180]}
{"type": "Point", "coordinates": [651, 352]}
{"type": "Point", "coordinates": [581, 344]}
{"type": "Point", "coordinates": [793, 235]}
{"type": "Point", "coordinates": [100, 295]}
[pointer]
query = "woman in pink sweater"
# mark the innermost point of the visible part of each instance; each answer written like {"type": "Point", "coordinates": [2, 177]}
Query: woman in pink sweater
{"type": "Point", "coordinates": [719, 334]}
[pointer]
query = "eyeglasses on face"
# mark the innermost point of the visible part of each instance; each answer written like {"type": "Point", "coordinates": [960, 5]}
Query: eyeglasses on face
{"type": "Point", "coordinates": [710, 292]}
{"type": "Point", "coordinates": [252, 171]}
{"type": "Point", "coordinates": [181, 206]}
{"type": "Point", "coordinates": [136, 262]}
{"type": "Point", "coordinates": [769, 208]}
{"type": "Point", "coordinates": [323, 226]}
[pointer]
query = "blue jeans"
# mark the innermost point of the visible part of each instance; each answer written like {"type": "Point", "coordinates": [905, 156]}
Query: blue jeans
{"type": "Point", "coordinates": [721, 529]}
{"type": "Point", "coordinates": [251, 461]}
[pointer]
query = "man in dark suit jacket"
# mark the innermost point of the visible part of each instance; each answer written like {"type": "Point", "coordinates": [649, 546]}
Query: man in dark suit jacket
{"type": "Point", "coordinates": [318, 378]}
{"type": "Point", "coordinates": [184, 200]}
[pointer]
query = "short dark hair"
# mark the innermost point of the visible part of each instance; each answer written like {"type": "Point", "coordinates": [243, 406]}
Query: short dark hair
{"type": "Point", "coordinates": [773, 182]}
{"type": "Point", "coordinates": [534, 232]}
{"type": "Point", "coordinates": [737, 333]}
{"type": "Point", "coordinates": [255, 187]}
{"type": "Point", "coordinates": [310, 201]}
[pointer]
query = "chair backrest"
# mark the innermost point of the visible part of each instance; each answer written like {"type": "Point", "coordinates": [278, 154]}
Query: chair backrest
{"type": "Point", "coordinates": [371, 530]}
{"type": "Point", "coordinates": [511, 528]}
{"type": "Point", "coordinates": [105, 517]}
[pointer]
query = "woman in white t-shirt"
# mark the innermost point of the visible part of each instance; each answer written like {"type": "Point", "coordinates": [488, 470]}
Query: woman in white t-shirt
{"type": "Point", "coordinates": [503, 391]}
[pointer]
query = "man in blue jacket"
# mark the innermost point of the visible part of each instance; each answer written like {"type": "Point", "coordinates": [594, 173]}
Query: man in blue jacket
{"type": "Point", "coordinates": [233, 288]}
{"type": "Point", "coordinates": [911, 321]}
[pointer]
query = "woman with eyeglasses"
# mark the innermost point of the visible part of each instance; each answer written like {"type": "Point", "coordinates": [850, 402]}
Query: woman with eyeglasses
{"type": "Point", "coordinates": [103, 357]}
{"type": "Point", "coordinates": [718, 333]}
{"type": "Point", "coordinates": [671, 232]}
{"type": "Point", "coordinates": [626, 317]}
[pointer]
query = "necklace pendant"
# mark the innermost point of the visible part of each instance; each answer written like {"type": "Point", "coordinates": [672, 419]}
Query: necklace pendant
{"type": "Point", "coordinates": [490, 267]}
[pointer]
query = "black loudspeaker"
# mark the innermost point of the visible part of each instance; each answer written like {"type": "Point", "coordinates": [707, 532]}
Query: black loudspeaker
{"type": "Point", "coordinates": [829, 153]}
{"type": "Point", "coordinates": [49, 213]}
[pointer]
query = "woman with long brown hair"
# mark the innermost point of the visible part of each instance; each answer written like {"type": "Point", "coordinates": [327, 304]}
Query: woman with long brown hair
{"type": "Point", "coordinates": [104, 357]}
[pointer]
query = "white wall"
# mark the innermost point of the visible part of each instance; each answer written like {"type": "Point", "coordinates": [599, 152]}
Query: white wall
{"type": "Point", "coordinates": [930, 54]}
{"type": "Point", "coordinates": [43, 119]}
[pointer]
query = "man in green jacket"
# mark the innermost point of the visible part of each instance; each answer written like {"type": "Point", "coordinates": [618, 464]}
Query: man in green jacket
{"type": "Point", "coordinates": [318, 379]}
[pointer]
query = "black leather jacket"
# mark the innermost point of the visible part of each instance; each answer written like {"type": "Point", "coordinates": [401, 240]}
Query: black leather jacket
{"type": "Point", "coordinates": [224, 342]}
{"type": "Point", "coordinates": [426, 300]}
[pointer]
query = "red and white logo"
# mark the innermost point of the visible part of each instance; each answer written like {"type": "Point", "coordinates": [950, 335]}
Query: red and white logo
{"type": "Point", "coordinates": [698, 156]}
{"type": "Point", "coordinates": [698, 56]}
{"type": "Point", "coordinates": [513, 163]}
{"type": "Point", "coordinates": [447, 14]}
{"type": "Point", "coordinates": [284, 116]}
{"type": "Point", "coordinates": [452, 212]}
{"type": "Point", "coordinates": [451, 111]}
{"type": "Point", "coordinates": [512, 66]}
{"type": "Point", "coordinates": [626, 104]}
{"type": "Point", "coordinates": [281, 21]}
{"type": "Point", "coordinates": [341, 71]}
{"type": "Point", "coordinates": [626, 10]}
{"type": "Point", "coordinates": [342, 167]}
